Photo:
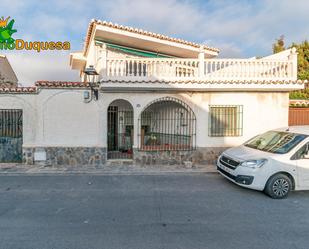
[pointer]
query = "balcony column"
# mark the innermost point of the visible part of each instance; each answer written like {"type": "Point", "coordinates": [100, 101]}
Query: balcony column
{"type": "Point", "coordinates": [102, 61]}
{"type": "Point", "coordinates": [293, 60]}
{"type": "Point", "coordinates": [201, 62]}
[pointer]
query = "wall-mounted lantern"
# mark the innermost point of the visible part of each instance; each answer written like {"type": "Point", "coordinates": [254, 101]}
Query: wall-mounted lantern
{"type": "Point", "coordinates": [91, 74]}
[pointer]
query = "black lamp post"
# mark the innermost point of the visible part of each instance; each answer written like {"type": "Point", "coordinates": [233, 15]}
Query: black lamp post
{"type": "Point", "coordinates": [91, 75]}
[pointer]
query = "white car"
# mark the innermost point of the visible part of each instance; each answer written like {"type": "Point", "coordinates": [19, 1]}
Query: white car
{"type": "Point", "coordinates": [275, 162]}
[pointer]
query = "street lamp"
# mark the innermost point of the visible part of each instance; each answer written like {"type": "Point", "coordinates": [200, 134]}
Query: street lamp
{"type": "Point", "coordinates": [91, 75]}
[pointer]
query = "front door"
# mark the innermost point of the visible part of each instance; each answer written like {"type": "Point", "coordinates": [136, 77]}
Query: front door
{"type": "Point", "coordinates": [119, 131]}
{"type": "Point", "coordinates": [11, 135]}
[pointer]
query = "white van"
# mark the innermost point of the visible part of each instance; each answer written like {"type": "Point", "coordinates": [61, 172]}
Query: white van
{"type": "Point", "coordinates": [275, 162]}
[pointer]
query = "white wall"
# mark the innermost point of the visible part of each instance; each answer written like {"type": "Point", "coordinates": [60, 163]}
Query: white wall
{"type": "Point", "coordinates": [60, 117]}
{"type": "Point", "coordinates": [262, 111]}
{"type": "Point", "coordinates": [68, 121]}
{"type": "Point", "coordinates": [57, 118]}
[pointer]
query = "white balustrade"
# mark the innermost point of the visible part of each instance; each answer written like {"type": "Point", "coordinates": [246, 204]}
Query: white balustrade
{"type": "Point", "coordinates": [214, 69]}
{"type": "Point", "coordinates": [248, 69]}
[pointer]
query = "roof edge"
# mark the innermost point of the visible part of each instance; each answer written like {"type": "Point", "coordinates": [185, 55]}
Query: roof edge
{"type": "Point", "coordinates": [94, 22]}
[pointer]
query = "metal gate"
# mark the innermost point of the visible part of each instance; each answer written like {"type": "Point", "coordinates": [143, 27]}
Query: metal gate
{"type": "Point", "coordinates": [119, 133]}
{"type": "Point", "coordinates": [11, 135]}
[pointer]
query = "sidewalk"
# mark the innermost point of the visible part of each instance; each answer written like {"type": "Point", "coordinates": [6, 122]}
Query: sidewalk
{"type": "Point", "coordinates": [6, 169]}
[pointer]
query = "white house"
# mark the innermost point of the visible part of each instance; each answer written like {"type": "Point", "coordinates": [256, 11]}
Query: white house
{"type": "Point", "coordinates": [154, 100]}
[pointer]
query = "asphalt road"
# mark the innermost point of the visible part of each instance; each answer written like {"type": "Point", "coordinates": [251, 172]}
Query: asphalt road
{"type": "Point", "coordinates": [168, 211]}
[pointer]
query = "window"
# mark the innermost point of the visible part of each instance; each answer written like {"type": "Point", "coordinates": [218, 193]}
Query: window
{"type": "Point", "coordinates": [302, 153]}
{"type": "Point", "coordinates": [11, 123]}
{"type": "Point", "coordinates": [277, 142]}
{"type": "Point", "coordinates": [225, 120]}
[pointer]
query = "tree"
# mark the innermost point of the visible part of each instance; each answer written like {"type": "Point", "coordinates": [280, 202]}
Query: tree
{"type": "Point", "coordinates": [303, 55]}
{"type": "Point", "coordinates": [279, 45]}
{"type": "Point", "coordinates": [303, 59]}
{"type": "Point", "coordinates": [302, 63]}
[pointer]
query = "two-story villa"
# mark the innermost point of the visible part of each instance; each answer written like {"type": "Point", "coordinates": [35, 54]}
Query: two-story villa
{"type": "Point", "coordinates": [151, 99]}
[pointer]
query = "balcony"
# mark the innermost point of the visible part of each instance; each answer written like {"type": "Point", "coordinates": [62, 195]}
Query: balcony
{"type": "Point", "coordinates": [210, 69]}
{"type": "Point", "coordinates": [277, 72]}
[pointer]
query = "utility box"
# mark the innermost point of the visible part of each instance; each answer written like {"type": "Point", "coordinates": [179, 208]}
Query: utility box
{"type": "Point", "coordinates": [39, 155]}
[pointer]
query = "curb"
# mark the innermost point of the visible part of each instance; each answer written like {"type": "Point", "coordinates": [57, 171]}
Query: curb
{"type": "Point", "coordinates": [15, 169]}
{"type": "Point", "coordinates": [102, 172]}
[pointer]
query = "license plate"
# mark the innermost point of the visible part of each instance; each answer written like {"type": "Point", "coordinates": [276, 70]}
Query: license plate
{"type": "Point", "coordinates": [226, 169]}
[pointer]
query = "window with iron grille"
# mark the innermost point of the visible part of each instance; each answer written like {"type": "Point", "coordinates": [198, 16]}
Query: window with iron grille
{"type": "Point", "coordinates": [11, 123]}
{"type": "Point", "coordinates": [225, 120]}
{"type": "Point", "coordinates": [167, 124]}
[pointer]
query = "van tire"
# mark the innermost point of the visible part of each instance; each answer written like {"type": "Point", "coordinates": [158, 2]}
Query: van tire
{"type": "Point", "coordinates": [278, 186]}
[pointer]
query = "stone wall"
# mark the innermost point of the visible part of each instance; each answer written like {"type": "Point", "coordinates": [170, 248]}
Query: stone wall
{"type": "Point", "coordinates": [28, 155]}
{"type": "Point", "coordinates": [207, 155]}
{"type": "Point", "coordinates": [67, 156]}
{"type": "Point", "coordinates": [96, 156]}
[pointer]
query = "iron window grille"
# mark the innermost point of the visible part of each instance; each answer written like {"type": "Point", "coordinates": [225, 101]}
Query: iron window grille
{"type": "Point", "coordinates": [167, 124]}
{"type": "Point", "coordinates": [11, 135]}
{"type": "Point", "coordinates": [225, 120]}
{"type": "Point", "coordinates": [11, 123]}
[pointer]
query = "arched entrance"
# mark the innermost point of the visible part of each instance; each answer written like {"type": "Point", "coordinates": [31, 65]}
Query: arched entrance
{"type": "Point", "coordinates": [167, 124]}
{"type": "Point", "coordinates": [120, 130]}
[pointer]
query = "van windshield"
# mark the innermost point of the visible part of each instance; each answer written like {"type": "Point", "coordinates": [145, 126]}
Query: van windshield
{"type": "Point", "coordinates": [278, 142]}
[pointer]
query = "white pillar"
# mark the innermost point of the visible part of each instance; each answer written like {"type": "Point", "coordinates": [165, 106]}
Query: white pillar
{"type": "Point", "coordinates": [102, 62]}
{"type": "Point", "coordinates": [201, 65]}
{"type": "Point", "coordinates": [293, 60]}
{"type": "Point", "coordinates": [136, 126]}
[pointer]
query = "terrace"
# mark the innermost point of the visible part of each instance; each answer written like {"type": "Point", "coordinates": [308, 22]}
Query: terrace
{"type": "Point", "coordinates": [171, 69]}
{"type": "Point", "coordinates": [121, 53]}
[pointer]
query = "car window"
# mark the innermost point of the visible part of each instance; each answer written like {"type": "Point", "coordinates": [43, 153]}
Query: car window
{"type": "Point", "coordinates": [278, 142]}
{"type": "Point", "coordinates": [301, 152]}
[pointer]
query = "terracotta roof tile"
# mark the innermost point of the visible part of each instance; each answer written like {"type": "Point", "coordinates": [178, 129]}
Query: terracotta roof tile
{"type": "Point", "coordinates": [18, 90]}
{"type": "Point", "coordinates": [142, 32]}
{"type": "Point", "coordinates": [80, 85]}
{"type": "Point", "coordinates": [299, 102]}
{"type": "Point", "coordinates": [207, 81]}
{"type": "Point", "coordinates": [61, 84]}
{"type": "Point", "coordinates": [44, 84]}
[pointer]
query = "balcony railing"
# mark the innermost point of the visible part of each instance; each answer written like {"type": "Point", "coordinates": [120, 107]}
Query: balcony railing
{"type": "Point", "coordinates": [212, 69]}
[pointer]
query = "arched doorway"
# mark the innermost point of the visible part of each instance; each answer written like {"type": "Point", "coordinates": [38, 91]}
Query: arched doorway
{"type": "Point", "coordinates": [167, 124]}
{"type": "Point", "coordinates": [120, 130]}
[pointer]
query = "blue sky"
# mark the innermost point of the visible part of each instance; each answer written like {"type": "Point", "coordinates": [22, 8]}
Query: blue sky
{"type": "Point", "coordinates": [239, 28]}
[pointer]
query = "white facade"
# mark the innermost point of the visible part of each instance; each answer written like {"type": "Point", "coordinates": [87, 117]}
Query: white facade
{"type": "Point", "coordinates": [60, 117]}
{"type": "Point", "coordinates": [141, 67]}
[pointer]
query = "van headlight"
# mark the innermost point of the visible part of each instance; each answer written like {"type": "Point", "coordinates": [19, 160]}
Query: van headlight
{"type": "Point", "coordinates": [254, 163]}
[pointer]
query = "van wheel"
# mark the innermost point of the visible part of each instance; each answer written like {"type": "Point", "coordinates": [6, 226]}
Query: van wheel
{"type": "Point", "coordinates": [278, 186]}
